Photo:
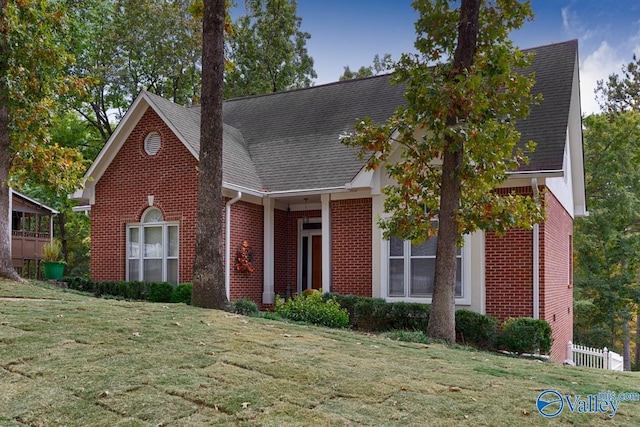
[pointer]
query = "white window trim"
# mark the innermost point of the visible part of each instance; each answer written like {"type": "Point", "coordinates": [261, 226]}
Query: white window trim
{"type": "Point", "coordinates": [165, 247]}
{"type": "Point", "coordinates": [466, 275]}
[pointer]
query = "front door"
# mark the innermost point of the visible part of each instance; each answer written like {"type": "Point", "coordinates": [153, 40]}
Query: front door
{"type": "Point", "coordinates": [310, 256]}
{"type": "Point", "coordinates": [316, 262]}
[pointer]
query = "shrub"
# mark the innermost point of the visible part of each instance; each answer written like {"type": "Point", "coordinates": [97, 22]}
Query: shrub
{"type": "Point", "coordinates": [159, 291]}
{"type": "Point", "coordinates": [476, 329]}
{"type": "Point", "coordinates": [311, 308]}
{"type": "Point", "coordinates": [411, 316]}
{"type": "Point", "coordinates": [182, 293]}
{"type": "Point", "coordinates": [348, 302]}
{"type": "Point", "coordinates": [131, 290]}
{"type": "Point", "coordinates": [371, 314]}
{"type": "Point", "coordinates": [245, 307]}
{"type": "Point", "coordinates": [525, 335]}
{"type": "Point", "coordinates": [79, 284]}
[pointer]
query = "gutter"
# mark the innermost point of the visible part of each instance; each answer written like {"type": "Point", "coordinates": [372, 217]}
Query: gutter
{"type": "Point", "coordinates": [536, 256]}
{"type": "Point", "coordinates": [306, 191]}
{"type": "Point", "coordinates": [538, 174]}
{"type": "Point", "coordinates": [227, 243]}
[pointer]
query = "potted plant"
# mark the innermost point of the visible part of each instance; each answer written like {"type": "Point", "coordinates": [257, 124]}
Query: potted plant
{"type": "Point", "coordinates": [52, 260]}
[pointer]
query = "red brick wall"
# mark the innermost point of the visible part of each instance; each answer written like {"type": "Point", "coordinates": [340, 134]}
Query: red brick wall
{"type": "Point", "coordinates": [351, 246]}
{"type": "Point", "coordinates": [121, 198]}
{"type": "Point", "coordinates": [556, 293]}
{"type": "Point", "coordinates": [170, 176]}
{"type": "Point", "coordinates": [509, 273]}
{"type": "Point", "coordinates": [247, 224]}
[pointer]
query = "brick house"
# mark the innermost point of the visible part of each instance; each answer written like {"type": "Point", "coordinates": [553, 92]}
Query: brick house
{"type": "Point", "coordinates": [306, 207]}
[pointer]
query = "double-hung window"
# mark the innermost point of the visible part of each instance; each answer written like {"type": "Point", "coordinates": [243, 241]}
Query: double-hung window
{"type": "Point", "coordinates": [411, 270]}
{"type": "Point", "coordinates": [152, 249]}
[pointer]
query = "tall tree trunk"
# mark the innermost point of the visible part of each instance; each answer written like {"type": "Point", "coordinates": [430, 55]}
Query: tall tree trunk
{"type": "Point", "coordinates": [637, 352]}
{"type": "Point", "coordinates": [6, 265]}
{"type": "Point", "coordinates": [442, 317]}
{"type": "Point", "coordinates": [626, 345]}
{"type": "Point", "coordinates": [208, 266]}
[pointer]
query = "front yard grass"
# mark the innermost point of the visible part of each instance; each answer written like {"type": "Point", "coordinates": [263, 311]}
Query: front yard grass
{"type": "Point", "coordinates": [72, 360]}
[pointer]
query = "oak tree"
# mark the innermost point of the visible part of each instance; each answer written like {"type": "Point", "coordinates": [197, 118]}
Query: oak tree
{"type": "Point", "coordinates": [208, 268]}
{"type": "Point", "coordinates": [124, 46]}
{"type": "Point", "coordinates": [267, 50]}
{"type": "Point", "coordinates": [379, 66]}
{"type": "Point", "coordinates": [32, 61]}
{"type": "Point", "coordinates": [457, 135]}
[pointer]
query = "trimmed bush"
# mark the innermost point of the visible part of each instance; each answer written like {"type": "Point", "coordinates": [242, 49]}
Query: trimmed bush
{"type": "Point", "coordinates": [411, 316]}
{"type": "Point", "coordinates": [372, 314]}
{"type": "Point", "coordinates": [375, 314]}
{"type": "Point", "coordinates": [245, 307]}
{"type": "Point", "coordinates": [525, 335]}
{"type": "Point", "coordinates": [312, 309]}
{"type": "Point", "coordinates": [475, 329]}
{"type": "Point", "coordinates": [182, 293]}
{"type": "Point", "coordinates": [347, 302]}
{"type": "Point", "coordinates": [159, 292]}
{"type": "Point", "coordinates": [82, 284]}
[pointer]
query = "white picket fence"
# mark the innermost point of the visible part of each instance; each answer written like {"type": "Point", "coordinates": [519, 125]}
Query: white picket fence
{"type": "Point", "coordinates": [580, 355]}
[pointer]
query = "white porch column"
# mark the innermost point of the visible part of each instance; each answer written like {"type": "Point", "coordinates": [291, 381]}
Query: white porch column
{"type": "Point", "coordinates": [268, 294]}
{"type": "Point", "coordinates": [326, 242]}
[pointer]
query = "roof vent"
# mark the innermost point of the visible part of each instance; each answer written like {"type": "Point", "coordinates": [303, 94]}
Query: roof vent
{"type": "Point", "coordinates": [152, 143]}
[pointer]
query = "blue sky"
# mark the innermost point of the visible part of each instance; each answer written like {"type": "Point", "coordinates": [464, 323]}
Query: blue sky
{"type": "Point", "coordinates": [351, 32]}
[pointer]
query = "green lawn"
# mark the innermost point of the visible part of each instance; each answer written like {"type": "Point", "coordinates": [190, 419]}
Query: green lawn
{"type": "Point", "coordinates": [72, 360]}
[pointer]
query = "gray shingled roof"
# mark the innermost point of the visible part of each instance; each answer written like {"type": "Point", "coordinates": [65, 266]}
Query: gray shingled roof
{"type": "Point", "coordinates": [293, 136]}
{"type": "Point", "coordinates": [238, 168]}
{"type": "Point", "coordinates": [289, 140]}
{"type": "Point", "coordinates": [554, 67]}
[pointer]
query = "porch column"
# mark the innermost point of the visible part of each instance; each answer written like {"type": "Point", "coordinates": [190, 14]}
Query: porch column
{"type": "Point", "coordinates": [268, 294]}
{"type": "Point", "coordinates": [326, 242]}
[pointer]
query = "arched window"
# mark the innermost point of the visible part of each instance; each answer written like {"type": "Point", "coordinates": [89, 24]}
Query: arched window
{"type": "Point", "coordinates": [152, 215]}
{"type": "Point", "coordinates": [152, 249]}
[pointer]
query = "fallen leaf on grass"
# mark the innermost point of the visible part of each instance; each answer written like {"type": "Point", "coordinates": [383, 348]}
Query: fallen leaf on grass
{"type": "Point", "coordinates": [201, 343]}
{"type": "Point", "coordinates": [525, 412]}
{"type": "Point", "coordinates": [454, 388]}
{"type": "Point", "coordinates": [176, 323]}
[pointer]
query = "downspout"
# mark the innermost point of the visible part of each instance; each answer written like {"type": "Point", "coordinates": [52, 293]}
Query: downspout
{"type": "Point", "coordinates": [536, 256]}
{"type": "Point", "coordinates": [227, 243]}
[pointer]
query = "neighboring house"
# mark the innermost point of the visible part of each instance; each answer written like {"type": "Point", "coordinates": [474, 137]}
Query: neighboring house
{"type": "Point", "coordinates": [31, 228]}
{"type": "Point", "coordinates": [306, 209]}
